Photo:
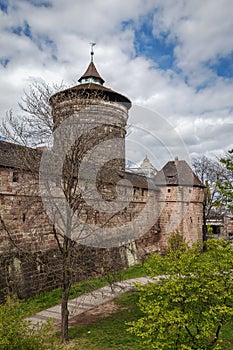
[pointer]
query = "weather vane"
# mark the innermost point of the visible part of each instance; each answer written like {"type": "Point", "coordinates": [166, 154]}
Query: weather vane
{"type": "Point", "coordinates": [92, 52]}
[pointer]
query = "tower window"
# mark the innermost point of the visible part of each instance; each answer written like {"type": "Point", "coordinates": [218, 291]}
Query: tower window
{"type": "Point", "coordinates": [15, 177]}
{"type": "Point", "coordinates": [24, 217]}
{"type": "Point", "coordinates": [58, 182]}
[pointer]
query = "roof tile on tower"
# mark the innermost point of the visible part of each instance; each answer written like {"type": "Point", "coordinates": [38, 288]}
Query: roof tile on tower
{"type": "Point", "coordinates": [91, 72]}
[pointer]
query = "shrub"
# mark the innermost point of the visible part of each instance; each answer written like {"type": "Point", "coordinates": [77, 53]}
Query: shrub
{"type": "Point", "coordinates": [16, 333]}
{"type": "Point", "coordinates": [187, 308]}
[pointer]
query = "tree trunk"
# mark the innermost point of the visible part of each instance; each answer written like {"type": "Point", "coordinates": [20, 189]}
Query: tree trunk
{"type": "Point", "coordinates": [66, 282]}
{"type": "Point", "coordinates": [64, 314]}
{"type": "Point", "coordinates": [204, 224]}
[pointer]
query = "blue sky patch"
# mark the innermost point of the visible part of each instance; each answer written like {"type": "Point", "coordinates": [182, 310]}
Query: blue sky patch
{"type": "Point", "coordinates": [4, 61]}
{"type": "Point", "coordinates": [156, 49]}
{"type": "Point", "coordinates": [159, 50]}
{"type": "Point", "coordinates": [4, 5]}
{"type": "Point", "coordinates": [39, 3]}
{"type": "Point", "coordinates": [127, 24]}
{"type": "Point", "coordinates": [224, 66]}
{"type": "Point", "coordinates": [22, 30]}
{"type": "Point", "coordinates": [17, 30]}
{"type": "Point", "coordinates": [205, 84]}
{"type": "Point", "coordinates": [44, 43]}
{"type": "Point", "coordinates": [27, 30]}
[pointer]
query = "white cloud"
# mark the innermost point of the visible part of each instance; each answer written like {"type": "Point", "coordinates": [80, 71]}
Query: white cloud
{"type": "Point", "coordinates": [202, 30]}
{"type": "Point", "coordinates": [189, 94]}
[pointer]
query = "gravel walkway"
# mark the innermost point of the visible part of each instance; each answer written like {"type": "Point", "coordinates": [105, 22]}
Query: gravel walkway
{"type": "Point", "coordinates": [87, 301]}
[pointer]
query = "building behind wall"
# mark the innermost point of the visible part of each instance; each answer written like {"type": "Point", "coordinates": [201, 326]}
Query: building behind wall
{"type": "Point", "coordinates": [220, 225]}
{"type": "Point", "coordinates": [30, 260]}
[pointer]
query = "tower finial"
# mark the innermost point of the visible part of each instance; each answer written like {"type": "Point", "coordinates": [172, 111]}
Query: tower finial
{"type": "Point", "coordinates": [92, 52]}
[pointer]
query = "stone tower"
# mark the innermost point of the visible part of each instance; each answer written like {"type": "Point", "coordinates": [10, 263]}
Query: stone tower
{"type": "Point", "coordinates": [181, 199]}
{"type": "Point", "coordinates": [104, 111]}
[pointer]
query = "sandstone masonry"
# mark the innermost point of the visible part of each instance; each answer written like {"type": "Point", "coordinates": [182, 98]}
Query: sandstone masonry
{"type": "Point", "coordinates": [29, 254]}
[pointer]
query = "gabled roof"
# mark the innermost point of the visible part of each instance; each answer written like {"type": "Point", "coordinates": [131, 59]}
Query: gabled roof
{"type": "Point", "coordinates": [19, 157]}
{"type": "Point", "coordinates": [174, 173]}
{"type": "Point", "coordinates": [140, 181]}
{"type": "Point", "coordinates": [25, 158]}
{"type": "Point", "coordinates": [91, 72]}
{"type": "Point", "coordinates": [177, 173]}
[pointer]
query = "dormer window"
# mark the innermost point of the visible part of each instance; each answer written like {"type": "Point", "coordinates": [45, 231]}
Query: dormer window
{"type": "Point", "coordinates": [90, 80]}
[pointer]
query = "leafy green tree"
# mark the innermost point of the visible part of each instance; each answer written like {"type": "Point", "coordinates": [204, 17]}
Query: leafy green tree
{"type": "Point", "coordinates": [226, 187]}
{"type": "Point", "coordinates": [188, 305]}
{"type": "Point", "coordinates": [210, 172]}
{"type": "Point", "coordinates": [16, 333]}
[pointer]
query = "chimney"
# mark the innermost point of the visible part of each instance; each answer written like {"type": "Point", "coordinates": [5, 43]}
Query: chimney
{"type": "Point", "coordinates": [41, 148]}
{"type": "Point", "coordinates": [176, 160]}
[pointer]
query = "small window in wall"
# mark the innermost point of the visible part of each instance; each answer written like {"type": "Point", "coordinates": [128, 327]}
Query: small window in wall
{"type": "Point", "coordinates": [24, 217]}
{"type": "Point", "coordinates": [169, 190]}
{"type": "Point", "coordinates": [137, 193]}
{"type": "Point", "coordinates": [216, 229]}
{"type": "Point", "coordinates": [97, 217]}
{"type": "Point", "coordinates": [58, 182]}
{"type": "Point", "coordinates": [15, 177]}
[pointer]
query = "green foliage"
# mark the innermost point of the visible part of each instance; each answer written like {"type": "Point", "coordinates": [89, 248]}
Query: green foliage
{"type": "Point", "coordinates": [187, 307]}
{"type": "Point", "coordinates": [176, 243]}
{"type": "Point", "coordinates": [226, 187]}
{"type": "Point", "coordinates": [109, 332]}
{"type": "Point", "coordinates": [17, 334]}
{"type": "Point", "coordinates": [210, 230]}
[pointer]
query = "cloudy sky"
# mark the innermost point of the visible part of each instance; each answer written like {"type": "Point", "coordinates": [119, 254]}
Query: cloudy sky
{"type": "Point", "coordinates": [174, 58]}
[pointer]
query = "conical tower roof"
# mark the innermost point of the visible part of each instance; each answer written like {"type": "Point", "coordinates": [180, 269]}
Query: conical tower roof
{"type": "Point", "coordinates": [90, 82]}
{"type": "Point", "coordinates": [91, 75]}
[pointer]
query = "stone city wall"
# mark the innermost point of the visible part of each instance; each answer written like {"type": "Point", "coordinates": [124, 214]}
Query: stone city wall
{"type": "Point", "coordinates": [30, 260]}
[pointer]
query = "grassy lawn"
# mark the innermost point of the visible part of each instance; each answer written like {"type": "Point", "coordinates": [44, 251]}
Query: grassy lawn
{"type": "Point", "coordinates": [45, 300]}
{"type": "Point", "coordinates": [227, 334]}
{"type": "Point", "coordinates": [111, 332]}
